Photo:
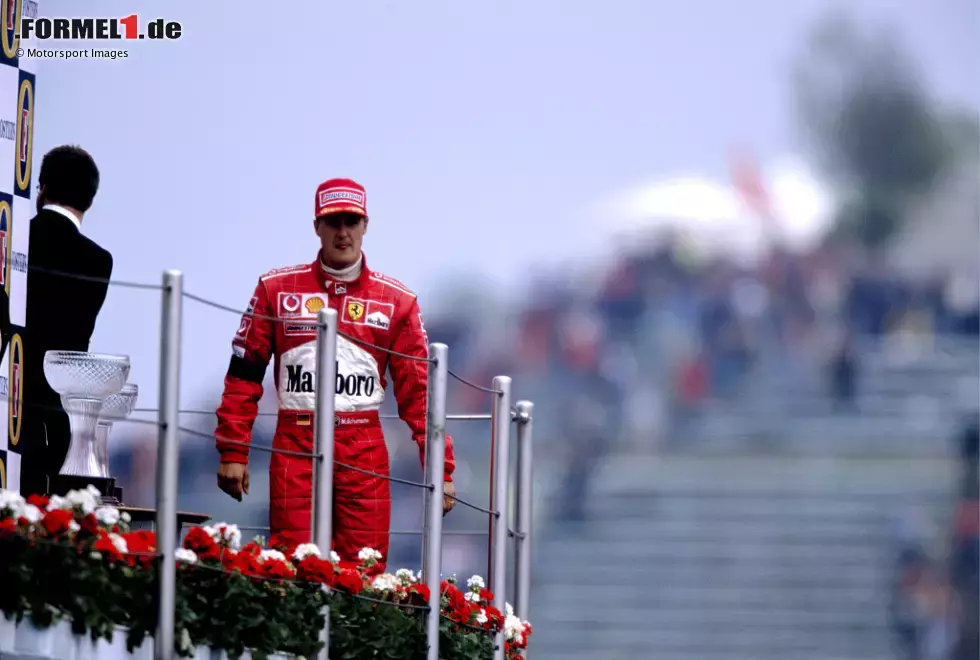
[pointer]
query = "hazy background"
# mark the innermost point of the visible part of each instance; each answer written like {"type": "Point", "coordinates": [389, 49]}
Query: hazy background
{"type": "Point", "coordinates": [774, 375]}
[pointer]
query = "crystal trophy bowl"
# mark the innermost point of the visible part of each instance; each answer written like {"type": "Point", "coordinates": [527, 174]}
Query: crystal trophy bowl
{"type": "Point", "coordinates": [114, 408]}
{"type": "Point", "coordinates": [84, 381]}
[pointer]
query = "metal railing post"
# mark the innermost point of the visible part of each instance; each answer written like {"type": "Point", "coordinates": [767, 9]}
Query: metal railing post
{"type": "Point", "coordinates": [168, 458]}
{"type": "Point", "coordinates": [323, 435]}
{"type": "Point", "coordinates": [500, 468]}
{"type": "Point", "coordinates": [525, 511]}
{"type": "Point", "coordinates": [435, 459]}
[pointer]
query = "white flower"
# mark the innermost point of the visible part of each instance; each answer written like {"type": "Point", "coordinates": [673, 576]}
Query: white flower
{"type": "Point", "coordinates": [513, 626]}
{"type": "Point", "coordinates": [369, 556]}
{"type": "Point", "coordinates": [334, 557]}
{"type": "Point", "coordinates": [405, 577]}
{"type": "Point", "coordinates": [184, 642]}
{"type": "Point", "coordinates": [229, 534]}
{"type": "Point", "coordinates": [119, 542]}
{"type": "Point", "coordinates": [471, 596]}
{"type": "Point", "coordinates": [125, 517]}
{"type": "Point", "coordinates": [58, 502]}
{"type": "Point", "coordinates": [476, 583]}
{"type": "Point", "coordinates": [185, 555]}
{"type": "Point", "coordinates": [74, 526]}
{"type": "Point", "coordinates": [481, 618]}
{"type": "Point", "coordinates": [305, 550]}
{"type": "Point", "coordinates": [84, 500]}
{"type": "Point", "coordinates": [31, 512]}
{"type": "Point", "coordinates": [384, 582]}
{"type": "Point", "coordinates": [513, 629]}
{"type": "Point", "coordinates": [266, 555]}
{"type": "Point", "coordinates": [93, 491]}
{"type": "Point", "coordinates": [107, 515]}
{"type": "Point", "coordinates": [11, 501]}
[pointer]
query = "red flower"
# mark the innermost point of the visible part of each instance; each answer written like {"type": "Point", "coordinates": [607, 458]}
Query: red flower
{"type": "Point", "coordinates": [315, 569]}
{"type": "Point", "coordinates": [422, 590]}
{"type": "Point", "coordinates": [282, 544]}
{"type": "Point", "coordinates": [243, 562]}
{"type": "Point", "coordinates": [350, 580]}
{"type": "Point", "coordinates": [142, 545]}
{"type": "Point", "coordinates": [277, 569]}
{"type": "Point", "coordinates": [495, 620]}
{"type": "Point", "coordinates": [455, 604]}
{"type": "Point", "coordinates": [40, 501]}
{"type": "Point", "coordinates": [486, 596]}
{"type": "Point", "coordinates": [57, 522]}
{"type": "Point", "coordinates": [202, 544]}
{"type": "Point", "coordinates": [105, 545]}
{"type": "Point", "coordinates": [89, 524]}
{"type": "Point", "coordinates": [8, 525]}
{"type": "Point", "coordinates": [252, 548]}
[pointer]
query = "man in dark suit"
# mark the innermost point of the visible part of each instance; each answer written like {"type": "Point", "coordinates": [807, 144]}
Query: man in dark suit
{"type": "Point", "coordinates": [67, 281]}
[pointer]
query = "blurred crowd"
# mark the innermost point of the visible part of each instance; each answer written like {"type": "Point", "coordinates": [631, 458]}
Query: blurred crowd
{"type": "Point", "coordinates": [696, 329]}
{"type": "Point", "coordinates": [936, 591]}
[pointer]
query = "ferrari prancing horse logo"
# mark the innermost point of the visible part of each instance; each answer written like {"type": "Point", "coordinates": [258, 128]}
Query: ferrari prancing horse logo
{"type": "Point", "coordinates": [355, 310]}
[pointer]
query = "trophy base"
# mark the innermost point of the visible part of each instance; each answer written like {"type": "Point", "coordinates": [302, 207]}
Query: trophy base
{"type": "Point", "coordinates": [60, 484]}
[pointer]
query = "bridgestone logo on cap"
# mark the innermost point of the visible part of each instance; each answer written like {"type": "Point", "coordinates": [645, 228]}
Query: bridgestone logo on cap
{"type": "Point", "coordinates": [326, 197]}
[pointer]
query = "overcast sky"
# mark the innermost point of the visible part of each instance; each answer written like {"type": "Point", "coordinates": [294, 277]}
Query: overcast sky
{"type": "Point", "coordinates": [482, 130]}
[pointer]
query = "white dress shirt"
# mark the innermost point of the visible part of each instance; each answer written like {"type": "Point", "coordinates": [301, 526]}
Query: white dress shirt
{"type": "Point", "coordinates": [65, 212]}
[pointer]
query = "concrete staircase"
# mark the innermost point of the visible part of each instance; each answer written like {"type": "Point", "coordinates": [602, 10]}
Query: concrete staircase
{"type": "Point", "coordinates": [705, 559]}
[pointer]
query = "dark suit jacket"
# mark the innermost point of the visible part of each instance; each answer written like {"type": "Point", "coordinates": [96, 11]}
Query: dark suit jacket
{"type": "Point", "coordinates": [61, 313]}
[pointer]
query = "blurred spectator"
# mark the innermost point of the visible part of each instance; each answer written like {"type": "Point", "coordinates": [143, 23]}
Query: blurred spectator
{"type": "Point", "coordinates": [692, 380]}
{"type": "Point", "coordinates": [921, 609]}
{"type": "Point", "coordinates": [843, 374]}
{"type": "Point", "coordinates": [965, 555]}
{"type": "Point", "coordinates": [591, 418]}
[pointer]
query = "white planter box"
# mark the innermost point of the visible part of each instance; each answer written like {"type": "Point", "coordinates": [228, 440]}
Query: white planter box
{"type": "Point", "coordinates": [85, 649]}
{"type": "Point", "coordinates": [54, 642]}
{"type": "Point", "coordinates": [58, 643]}
{"type": "Point", "coordinates": [204, 653]}
{"type": "Point", "coordinates": [8, 634]}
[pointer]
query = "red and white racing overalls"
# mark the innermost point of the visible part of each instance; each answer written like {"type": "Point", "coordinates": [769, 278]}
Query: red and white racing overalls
{"type": "Point", "coordinates": [377, 313]}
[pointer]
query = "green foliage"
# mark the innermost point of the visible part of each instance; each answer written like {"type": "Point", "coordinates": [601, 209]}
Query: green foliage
{"type": "Point", "coordinates": [873, 126]}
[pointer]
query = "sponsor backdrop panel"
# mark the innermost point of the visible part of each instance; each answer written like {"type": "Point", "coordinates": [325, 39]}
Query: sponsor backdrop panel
{"type": "Point", "coordinates": [18, 177]}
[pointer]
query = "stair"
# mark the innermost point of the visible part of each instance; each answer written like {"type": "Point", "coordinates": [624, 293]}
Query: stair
{"type": "Point", "coordinates": [709, 559]}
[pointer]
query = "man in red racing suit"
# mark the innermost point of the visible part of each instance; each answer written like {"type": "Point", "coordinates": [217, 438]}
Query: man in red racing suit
{"type": "Point", "coordinates": [375, 313]}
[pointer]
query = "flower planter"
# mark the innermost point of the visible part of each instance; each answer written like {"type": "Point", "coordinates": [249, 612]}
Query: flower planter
{"type": "Point", "coordinates": [54, 642]}
{"type": "Point", "coordinates": [8, 634]}
{"type": "Point", "coordinates": [85, 545]}
{"type": "Point", "coordinates": [205, 653]}
{"type": "Point", "coordinates": [86, 649]}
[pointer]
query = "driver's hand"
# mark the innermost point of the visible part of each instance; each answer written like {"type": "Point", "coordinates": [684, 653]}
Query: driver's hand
{"type": "Point", "coordinates": [448, 497]}
{"type": "Point", "coordinates": [233, 479]}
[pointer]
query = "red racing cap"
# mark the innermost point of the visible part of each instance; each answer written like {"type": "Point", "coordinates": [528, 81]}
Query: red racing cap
{"type": "Point", "coordinates": [340, 196]}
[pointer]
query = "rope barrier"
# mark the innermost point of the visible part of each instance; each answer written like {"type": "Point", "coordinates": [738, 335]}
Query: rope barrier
{"type": "Point", "coordinates": [488, 390]}
{"type": "Point", "coordinates": [474, 417]}
{"type": "Point", "coordinates": [356, 340]}
{"type": "Point", "coordinates": [394, 532]}
{"type": "Point", "coordinates": [470, 505]}
{"type": "Point", "coordinates": [92, 278]}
